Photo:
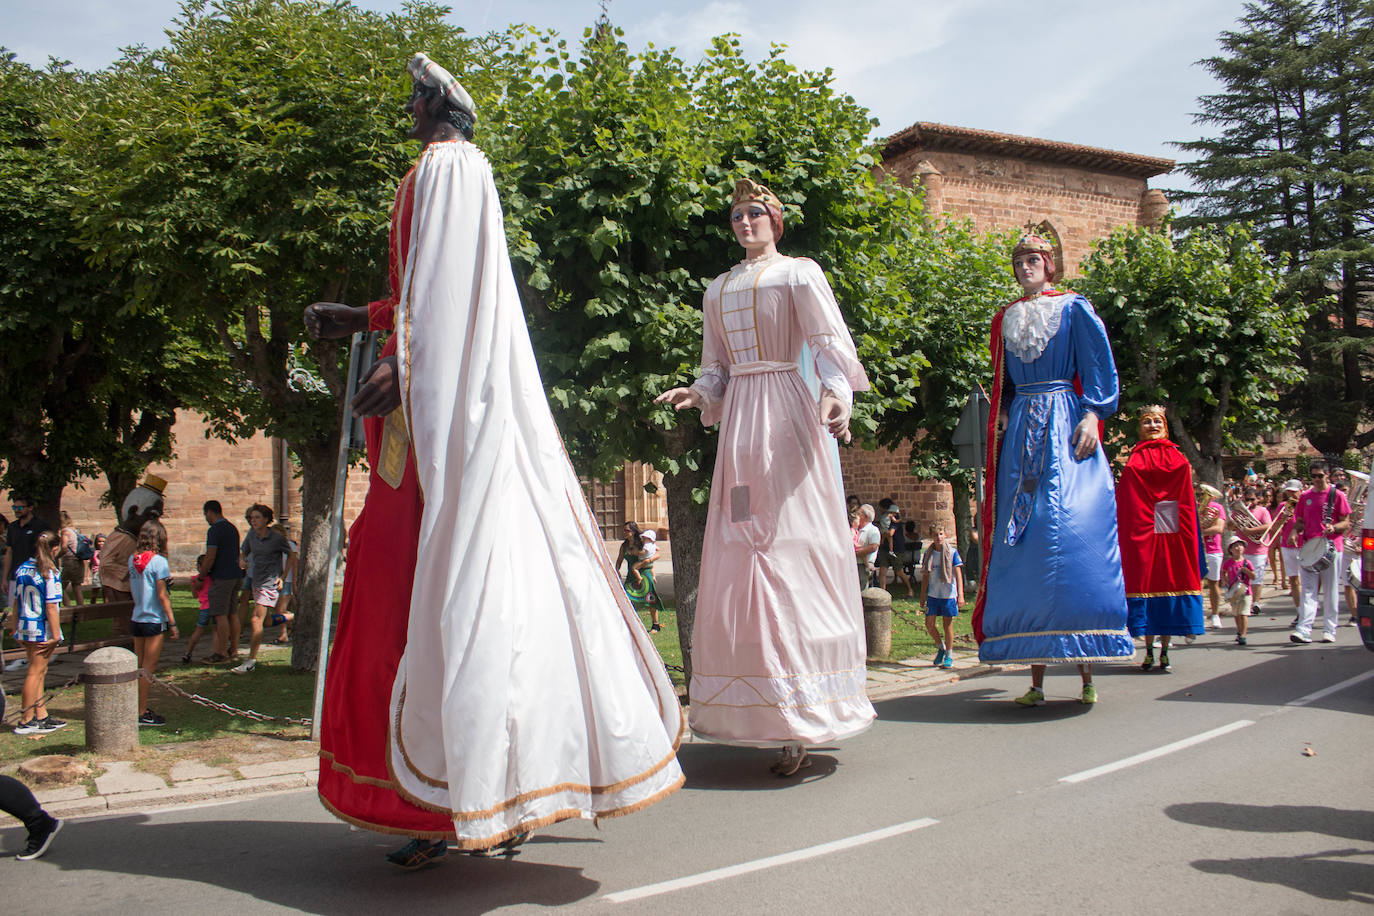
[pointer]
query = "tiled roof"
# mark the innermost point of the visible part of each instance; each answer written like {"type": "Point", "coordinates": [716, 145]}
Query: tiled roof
{"type": "Point", "coordinates": [945, 138]}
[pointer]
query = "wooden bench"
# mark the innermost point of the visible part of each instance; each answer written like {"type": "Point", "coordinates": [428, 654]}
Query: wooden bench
{"type": "Point", "coordinates": [72, 616]}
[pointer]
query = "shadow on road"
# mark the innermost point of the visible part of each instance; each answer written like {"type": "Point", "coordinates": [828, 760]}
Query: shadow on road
{"type": "Point", "coordinates": [721, 767]}
{"type": "Point", "coordinates": [313, 868]}
{"type": "Point", "coordinates": [1337, 874]}
{"type": "Point", "coordinates": [984, 706]}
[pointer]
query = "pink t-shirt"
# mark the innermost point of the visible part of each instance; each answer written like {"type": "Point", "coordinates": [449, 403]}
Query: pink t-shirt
{"type": "Point", "coordinates": [1212, 543]}
{"type": "Point", "coordinates": [1253, 548]}
{"type": "Point", "coordinates": [1312, 508]}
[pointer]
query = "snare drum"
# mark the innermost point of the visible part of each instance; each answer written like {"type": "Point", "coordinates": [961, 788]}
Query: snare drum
{"type": "Point", "coordinates": [1317, 555]}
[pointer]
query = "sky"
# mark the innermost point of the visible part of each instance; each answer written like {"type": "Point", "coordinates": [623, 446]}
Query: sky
{"type": "Point", "coordinates": [1120, 74]}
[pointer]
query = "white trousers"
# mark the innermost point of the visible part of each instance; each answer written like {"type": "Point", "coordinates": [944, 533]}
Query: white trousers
{"type": "Point", "coordinates": [1325, 583]}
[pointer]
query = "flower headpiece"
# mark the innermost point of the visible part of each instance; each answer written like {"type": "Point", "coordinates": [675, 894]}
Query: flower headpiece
{"type": "Point", "coordinates": [747, 190]}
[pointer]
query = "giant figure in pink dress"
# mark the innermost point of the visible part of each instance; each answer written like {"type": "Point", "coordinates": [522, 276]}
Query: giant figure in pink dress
{"type": "Point", "coordinates": [778, 652]}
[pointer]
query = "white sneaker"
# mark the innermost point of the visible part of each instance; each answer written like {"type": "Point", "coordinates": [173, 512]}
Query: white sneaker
{"type": "Point", "coordinates": [1216, 621]}
{"type": "Point", "coordinates": [17, 664]}
{"type": "Point", "coordinates": [245, 667]}
{"type": "Point", "coordinates": [1328, 637]}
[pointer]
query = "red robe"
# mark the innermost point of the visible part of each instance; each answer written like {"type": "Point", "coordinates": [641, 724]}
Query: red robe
{"type": "Point", "coordinates": [1157, 563]}
{"type": "Point", "coordinates": [355, 782]}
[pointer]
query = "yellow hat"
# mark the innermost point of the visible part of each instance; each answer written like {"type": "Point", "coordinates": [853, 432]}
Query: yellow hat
{"type": "Point", "coordinates": [154, 482]}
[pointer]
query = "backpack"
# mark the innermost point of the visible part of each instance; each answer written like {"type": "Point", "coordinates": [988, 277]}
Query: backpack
{"type": "Point", "coordinates": [85, 550]}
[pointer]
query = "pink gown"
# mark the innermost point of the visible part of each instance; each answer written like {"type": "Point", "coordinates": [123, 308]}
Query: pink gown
{"type": "Point", "coordinates": [779, 643]}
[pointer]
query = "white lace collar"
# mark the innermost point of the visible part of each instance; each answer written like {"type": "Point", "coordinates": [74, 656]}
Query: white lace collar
{"type": "Point", "coordinates": [1029, 324]}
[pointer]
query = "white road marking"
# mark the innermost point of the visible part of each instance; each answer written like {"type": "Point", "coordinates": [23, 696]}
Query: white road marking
{"type": "Point", "coordinates": [1106, 768]}
{"type": "Point", "coordinates": [1334, 688]}
{"type": "Point", "coordinates": [744, 868]}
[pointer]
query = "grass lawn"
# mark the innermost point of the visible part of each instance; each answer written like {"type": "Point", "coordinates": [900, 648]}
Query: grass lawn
{"type": "Point", "coordinates": [274, 688]}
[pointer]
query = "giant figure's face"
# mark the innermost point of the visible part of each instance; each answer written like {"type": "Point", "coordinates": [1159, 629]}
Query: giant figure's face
{"type": "Point", "coordinates": [423, 112]}
{"type": "Point", "coordinates": [751, 224]}
{"type": "Point", "coordinates": [1029, 268]}
{"type": "Point", "coordinates": [1153, 426]}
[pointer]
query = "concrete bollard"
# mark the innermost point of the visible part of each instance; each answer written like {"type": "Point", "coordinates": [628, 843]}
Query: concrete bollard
{"type": "Point", "coordinates": [877, 622]}
{"type": "Point", "coordinates": [111, 678]}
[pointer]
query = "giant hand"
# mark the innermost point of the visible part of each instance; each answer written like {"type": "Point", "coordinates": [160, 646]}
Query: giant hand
{"type": "Point", "coordinates": [680, 398]}
{"type": "Point", "coordinates": [1085, 439]}
{"type": "Point", "coordinates": [326, 320]}
{"type": "Point", "coordinates": [380, 392]}
{"type": "Point", "coordinates": [835, 416]}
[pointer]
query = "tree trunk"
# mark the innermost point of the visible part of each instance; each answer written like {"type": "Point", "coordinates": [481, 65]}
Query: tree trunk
{"type": "Point", "coordinates": [318, 470]}
{"type": "Point", "coordinates": [687, 522]}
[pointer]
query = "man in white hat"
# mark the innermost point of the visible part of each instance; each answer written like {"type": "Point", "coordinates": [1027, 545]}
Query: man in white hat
{"type": "Point", "coordinates": [462, 705]}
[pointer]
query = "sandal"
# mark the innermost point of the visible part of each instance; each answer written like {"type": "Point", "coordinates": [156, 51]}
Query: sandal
{"type": "Point", "coordinates": [282, 640]}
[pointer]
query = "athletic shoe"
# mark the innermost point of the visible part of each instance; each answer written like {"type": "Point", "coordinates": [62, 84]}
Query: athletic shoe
{"type": "Point", "coordinates": [418, 853]}
{"type": "Point", "coordinates": [1297, 638]}
{"type": "Point", "coordinates": [948, 660]}
{"type": "Point", "coordinates": [1216, 622]}
{"type": "Point", "coordinates": [17, 664]}
{"type": "Point", "coordinates": [1353, 622]}
{"type": "Point", "coordinates": [247, 667]}
{"type": "Point", "coordinates": [793, 758]}
{"type": "Point", "coordinates": [151, 718]}
{"type": "Point", "coordinates": [1328, 637]}
{"type": "Point", "coordinates": [1190, 639]}
{"type": "Point", "coordinates": [656, 628]}
{"type": "Point", "coordinates": [1149, 662]}
{"type": "Point", "coordinates": [28, 728]}
{"type": "Point", "coordinates": [49, 725]}
{"type": "Point", "coordinates": [939, 659]}
{"type": "Point", "coordinates": [1089, 696]}
{"type": "Point", "coordinates": [1164, 665]}
{"type": "Point", "coordinates": [1033, 697]}
{"type": "Point", "coordinates": [1240, 640]}
{"type": "Point", "coordinates": [506, 848]}
{"type": "Point", "coordinates": [40, 838]}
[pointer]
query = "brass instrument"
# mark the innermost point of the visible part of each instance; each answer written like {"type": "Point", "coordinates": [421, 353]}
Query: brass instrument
{"type": "Point", "coordinates": [1241, 517]}
{"type": "Point", "coordinates": [1359, 492]}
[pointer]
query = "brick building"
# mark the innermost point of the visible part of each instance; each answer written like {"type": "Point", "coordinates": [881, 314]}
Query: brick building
{"type": "Point", "coordinates": [1072, 194]}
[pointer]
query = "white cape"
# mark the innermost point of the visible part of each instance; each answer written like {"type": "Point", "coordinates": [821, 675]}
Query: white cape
{"type": "Point", "coordinates": [529, 692]}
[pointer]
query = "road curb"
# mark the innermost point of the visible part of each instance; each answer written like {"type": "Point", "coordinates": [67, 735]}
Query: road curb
{"type": "Point", "coordinates": [190, 792]}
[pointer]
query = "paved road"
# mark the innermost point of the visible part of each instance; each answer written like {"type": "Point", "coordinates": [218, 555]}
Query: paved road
{"type": "Point", "coordinates": [1185, 793]}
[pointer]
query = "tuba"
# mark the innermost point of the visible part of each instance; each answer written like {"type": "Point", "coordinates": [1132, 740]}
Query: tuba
{"type": "Point", "coordinates": [1243, 518]}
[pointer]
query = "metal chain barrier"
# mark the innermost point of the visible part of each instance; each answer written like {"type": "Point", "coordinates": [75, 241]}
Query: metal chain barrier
{"type": "Point", "coordinates": [225, 708]}
{"type": "Point", "coordinates": [13, 718]}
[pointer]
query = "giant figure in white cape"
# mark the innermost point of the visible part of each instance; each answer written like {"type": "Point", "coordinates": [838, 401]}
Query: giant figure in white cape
{"type": "Point", "coordinates": [525, 691]}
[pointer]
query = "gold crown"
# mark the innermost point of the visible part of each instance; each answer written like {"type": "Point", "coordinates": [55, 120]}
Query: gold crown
{"type": "Point", "coordinates": [747, 190]}
{"type": "Point", "coordinates": [1029, 243]}
{"type": "Point", "coordinates": [1157, 409]}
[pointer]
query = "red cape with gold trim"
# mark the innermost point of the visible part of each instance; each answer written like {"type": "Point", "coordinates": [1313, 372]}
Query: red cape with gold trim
{"type": "Point", "coordinates": [1157, 562]}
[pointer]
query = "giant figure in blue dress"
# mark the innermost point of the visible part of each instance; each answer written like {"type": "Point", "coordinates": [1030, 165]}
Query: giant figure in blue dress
{"type": "Point", "coordinates": [1052, 583]}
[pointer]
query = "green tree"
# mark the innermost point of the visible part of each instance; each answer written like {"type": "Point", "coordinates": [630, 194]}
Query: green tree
{"type": "Point", "coordinates": [86, 387]}
{"type": "Point", "coordinates": [616, 170]}
{"type": "Point", "coordinates": [960, 280]}
{"type": "Point", "coordinates": [245, 170]}
{"type": "Point", "coordinates": [1292, 155]}
{"type": "Point", "coordinates": [1200, 325]}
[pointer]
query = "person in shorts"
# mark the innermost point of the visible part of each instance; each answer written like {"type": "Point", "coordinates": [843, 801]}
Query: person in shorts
{"type": "Point", "coordinates": [150, 578]}
{"type": "Point", "coordinates": [1288, 546]}
{"type": "Point", "coordinates": [220, 564]}
{"type": "Point", "coordinates": [263, 555]}
{"type": "Point", "coordinates": [942, 592]}
{"type": "Point", "coordinates": [37, 588]}
{"type": "Point", "coordinates": [1238, 577]}
{"type": "Point", "coordinates": [1212, 522]}
{"type": "Point", "coordinates": [200, 587]}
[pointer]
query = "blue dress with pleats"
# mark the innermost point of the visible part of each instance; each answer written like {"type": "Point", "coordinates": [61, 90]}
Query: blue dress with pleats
{"type": "Point", "coordinates": [1055, 592]}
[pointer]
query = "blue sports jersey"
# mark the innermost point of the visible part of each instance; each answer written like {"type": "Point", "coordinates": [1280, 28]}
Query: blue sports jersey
{"type": "Point", "coordinates": [33, 593]}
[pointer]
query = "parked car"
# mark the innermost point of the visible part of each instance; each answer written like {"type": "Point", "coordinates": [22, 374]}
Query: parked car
{"type": "Point", "coordinates": [1363, 541]}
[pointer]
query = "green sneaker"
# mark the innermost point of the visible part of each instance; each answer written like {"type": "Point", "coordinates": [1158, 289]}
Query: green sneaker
{"type": "Point", "coordinates": [1089, 695]}
{"type": "Point", "coordinates": [1034, 697]}
{"type": "Point", "coordinates": [1149, 661]}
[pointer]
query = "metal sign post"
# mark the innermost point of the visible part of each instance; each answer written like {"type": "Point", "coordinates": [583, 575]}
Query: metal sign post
{"type": "Point", "coordinates": [970, 440]}
{"type": "Point", "coordinates": [361, 355]}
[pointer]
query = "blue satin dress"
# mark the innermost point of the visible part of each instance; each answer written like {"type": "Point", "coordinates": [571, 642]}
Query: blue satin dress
{"type": "Point", "coordinates": [1055, 592]}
